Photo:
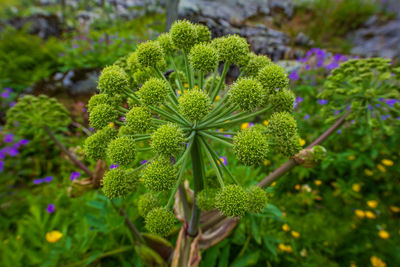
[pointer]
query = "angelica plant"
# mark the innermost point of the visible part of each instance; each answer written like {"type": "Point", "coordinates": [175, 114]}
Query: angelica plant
{"type": "Point", "coordinates": [176, 114]}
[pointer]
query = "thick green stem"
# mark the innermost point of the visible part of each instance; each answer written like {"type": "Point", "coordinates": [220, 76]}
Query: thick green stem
{"type": "Point", "coordinates": [224, 72]}
{"type": "Point", "coordinates": [188, 72]}
{"type": "Point", "coordinates": [198, 179]}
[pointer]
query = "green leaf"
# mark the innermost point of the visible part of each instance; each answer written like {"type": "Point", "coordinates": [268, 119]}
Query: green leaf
{"type": "Point", "coordinates": [224, 258]}
{"type": "Point", "coordinates": [246, 260]}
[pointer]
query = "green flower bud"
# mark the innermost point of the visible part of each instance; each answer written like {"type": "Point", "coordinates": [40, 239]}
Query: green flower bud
{"type": "Point", "coordinates": [125, 130]}
{"type": "Point", "coordinates": [160, 221]}
{"type": "Point", "coordinates": [203, 57]}
{"type": "Point", "coordinates": [113, 80]}
{"type": "Point", "coordinates": [288, 147]}
{"type": "Point", "coordinates": [146, 203]}
{"type": "Point", "coordinates": [209, 82]}
{"type": "Point", "coordinates": [232, 201]}
{"type": "Point", "coordinates": [255, 64]}
{"type": "Point", "coordinates": [159, 175]}
{"type": "Point", "coordinates": [167, 139]}
{"type": "Point", "coordinates": [283, 100]}
{"type": "Point", "coordinates": [154, 91]}
{"type": "Point", "coordinates": [133, 63]}
{"type": "Point", "coordinates": [257, 199]}
{"type": "Point", "coordinates": [149, 54]}
{"type": "Point", "coordinates": [250, 146]}
{"type": "Point", "coordinates": [282, 124]}
{"type": "Point", "coordinates": [122, 150]}
{"type": "Point", "coordinates": [103, 99]}
{"type": "Point", "coordinates": [206, 198]}
{"type": "Point", "coordinates": [183, 34]}
{"type": "Point", "coordinates": [143, 75]}
{"type": "Point", "coordinates": [166, 44]}
{"type": "Point", "coordinates": [203, 33]}
{"type": "Point", "coordinates": [272, 77]}
{"type": "Point", "coordinates": [194, 104]}
{"type": "Point", "coordinates": [96, 144]}
{"type": "Point", "coordinates": [246, 93]}
{"type": "Point", "coordinates": [118, 182]}
{"type": "Point", "coordinates": [101, 116]}
{"type": "Point", "coordinates": [139, 119]}
{"type": "Point", "coordinates": [232, 49]}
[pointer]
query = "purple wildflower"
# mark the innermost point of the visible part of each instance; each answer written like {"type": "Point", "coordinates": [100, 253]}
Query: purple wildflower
{"type": "Point", "coordinates": [5, 94]}
{"type": "Point", "coordinates": [223, 160]}
{"type": "Point", "coordinates": [37, 181]}
{"type": "Point", "coordinates": [123, 118]}
{"type": "Point", "coordinates": [143, 162]}
{"type": "Point", "coordinates": [307, 116]}
{"type": "Point", "coordinates": [113, 166]}
{"type": "Point", "coordinates": [51, 208]}
{"type": "Point", "coordinates": [1, 166]}
{"type": "Point", "coordinates": [339, 131]}
{"type": "Point", "coordinates": [23, 142]}
{"type": "Point", "coordinates": [251, 124]}
{"type": "Point", "coordinates": [60, 54]}
{"type": "Point", "coordinates": [370, 107]}
{"type": "Point", "coordinates": [322, 102]}
{"type": "Point", "coordinates": [48, 179]}
{"type": "Point", "coordinates": [307, 67]}
{"type": "Point", "coordinates": [12, 103]}
{"type": "Point", "coordinates": [228, 135]}
{"type": "Point", "coordinates": [294, 75]}
{"type": "Point", "coordinates": [12, 151]}
{"type": "Point", "coordinates": [8, 138]}
{"type": "Point", "coordinates": [75, 46]}
{"type": "Point", "coordinates": [297, 101]}
{"type": "Point", "coordinates": [74, 176]}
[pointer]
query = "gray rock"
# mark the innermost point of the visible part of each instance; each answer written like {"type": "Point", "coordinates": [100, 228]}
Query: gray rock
{"type": "Point", "coordinates": [39, 24]}
{"type": "Point", "coordinates": [377, 40]}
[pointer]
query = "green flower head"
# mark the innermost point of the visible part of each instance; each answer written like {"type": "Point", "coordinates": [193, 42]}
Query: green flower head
{"type": "Point", "coordinates": [232, 201]}
{"type": "Point", "coordinates": [250, 146]}
{"type": "Point", "coordinates": [102, 115]}
{"type": "Point", "coordinates": [183, 35]}
{"type": "Point", "coordinates": [288, 147]}
{"type": "Point", "coordinates": [232, 49]}
{"type": "Point", "coordinates": [118, 182]}
{"type": "Point", "coordinates": [283, 100]}
{"type": "Point", "coordinates": [96, 144]}
{"type": "Point", "coordinates": [159, 175]}
{"type": "Point", "coordinates": [194, 104]}
{"type": "Point", "coordinates": [166, 44]}
{"type": "Point", "coordinates": [203, 57]}
{"type": "Point", "coordinates": [246, 93]}
{"type": "Point", "coordinates": [255, 64]}
{"type": "Point", "coordinates": [142, 75]}
{"type": "Point", "coordinates": [160, 221]}
{"type": "Point", "coordinates": [203, 33]}
{"type": "Point", "coordinates": [113, 80]}
{"type": "Point", "coordinates": [139, 119]}
{"type": "Point", "coordinates": [149, 54]}
{"type": "Point", "coordinates": [153, 91]}
{"type": "Point", "coordinates": [272, 77]}
{"type": "Point", "coordinates": [122, 150]}
{"type": "Point", "coordinates": [206, 198]}
{"type": "Point", "coordinates": [126, 130]}
{"type": "Point", "coordinates": [146, 203]}
{"type": "Point", "coordinates": [282, 125]}
{"type": "Point", "coordinates": [167, 139]}
{"type": "Point", "coordinates": [257, 199]}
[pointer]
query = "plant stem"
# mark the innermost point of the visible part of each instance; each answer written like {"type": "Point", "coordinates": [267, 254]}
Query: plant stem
{"type": "Point", "coordinates": [134, 231]}
{"type": "Point", "coordinates": [224, 72]}
{"type": "Point", "coordinates": [216, 138]}
{"type": "Point", "coordinates": [211, 89]}
{"type": "Point", "coordinates": [213, 162]}
{"type": "Point", "coordinates": [290, 164]}
{"type": "Point", "coordinates": [73, 158]}
{"type": "Point", "coordinates": [198, 179]}
{"type": "Point", "coordinates": [188, 72]}
{"type": "Point", "coordinates": [185, 203]}
{"type": "Point", "coordinates": [173, 97]}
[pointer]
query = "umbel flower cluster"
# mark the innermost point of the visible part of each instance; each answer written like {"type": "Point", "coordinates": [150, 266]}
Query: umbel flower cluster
{"type": "Point", "coordinates": [175, 116]}
{"type": "Point", "coordinates": [369, 88]}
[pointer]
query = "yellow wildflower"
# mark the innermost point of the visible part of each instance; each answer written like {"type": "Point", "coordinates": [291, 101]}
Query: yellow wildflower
{"type": "Point", "coordinates": [195, 87]}
{"type": "Point", "coordinates": [266, 162]}
{"type": "Point", "coordinates": [368, 172]}
{"type": "Point", "coordinates": [351, 157]}
{"type": "Point", "coordinates": [221, 130]}
{"type": "Point", "coordinates": [356, 187]}
{"type": "Point", "coordinates": [53, 236]}
{"type": "Point", "coordinates": [295, 234]}
{"type": "Point", "coordinates": [297, 187]}
{"type": "Point", "coordinates": [383, 234]}
{"type": "Point", "coordinates": [244, 125]}
{"type": "Point", "coordinates": [372, 204]}
{"type": "Point", "coordinates": [302, 142]}
{"type": "Point", "coordinates": [179, 92]}
{"type": "Point", "coordinates": [111, 125]}
{"type": "Point", "coordinates": [282, 247]}
{"type": "Point", "coordinates": [285, 248]}
{"type": "Point", "coordinates": [352, 264]}
{"type": "Point", "coordinates": [286, 227]}
{"type": "Point", "coordinates": [289, 249]}
{"type": "Point", "coordinates": [381, 168]}
{"type": "Point", "coordinates": [359, 213]}
{"type": "Point", "coordinates": [387, 162]}
{"type": "Point", "coordinates": [186, 85]}
{"type": "Point", "coordinates": [273, 184]}
{"type": "Point", "coordinates": [317, 182]}
{"type": "Point", "coordinates": [377, 262]}
{"type": "Point", "coordinates": [217, 98]}
{"type": "Point", "coordinates": [370, 214]}
{"type": "Point", "coordinates": [395, 209]}
{"type": "Point", "coordinates": [266, 122]}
